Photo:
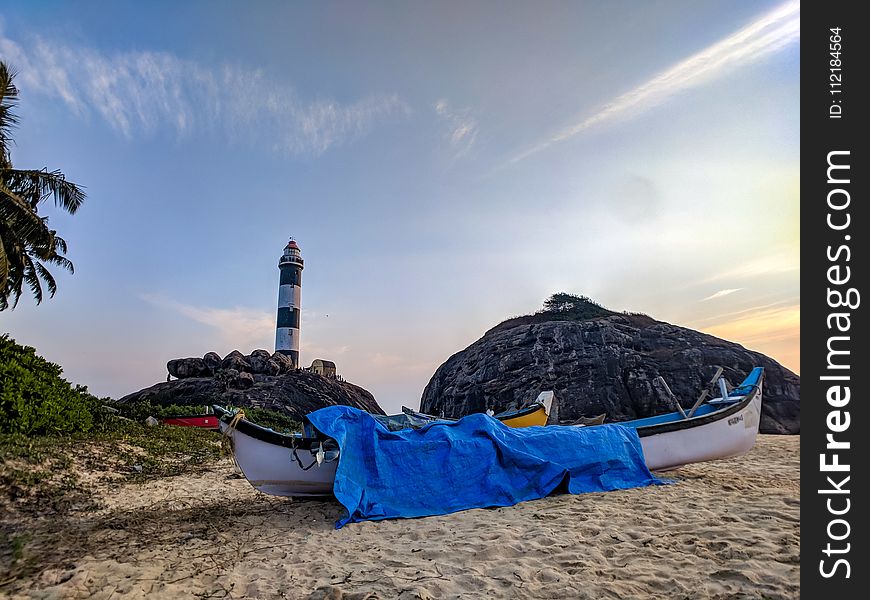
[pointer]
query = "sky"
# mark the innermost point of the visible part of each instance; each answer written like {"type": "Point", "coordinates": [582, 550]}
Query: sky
{"type": "Point", "coordinates": [443, 166]}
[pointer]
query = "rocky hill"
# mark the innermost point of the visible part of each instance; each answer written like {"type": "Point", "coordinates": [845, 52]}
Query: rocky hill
{"type": "Point", "coordinates": [598, 361]}
{"type": "Point", "coordinates": [259, 380]}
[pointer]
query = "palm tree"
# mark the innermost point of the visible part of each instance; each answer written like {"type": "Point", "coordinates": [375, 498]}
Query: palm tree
{"type": "Point", "coordinates": [27, 244]}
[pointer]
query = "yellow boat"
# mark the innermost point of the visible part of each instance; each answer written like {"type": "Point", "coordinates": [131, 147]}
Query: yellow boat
{"type": "Point", "coordinates": [534, 414]}
{"type": "Point", "coordinates": [530, 416]}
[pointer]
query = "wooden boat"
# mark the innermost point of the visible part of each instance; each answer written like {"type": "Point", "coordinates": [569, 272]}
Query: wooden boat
{"type": "Point", "coordinates": [203, 421]}
{"type": "Point", "coordinates": [304, 465]}
{"type": "Point", "coordinates": [534, 414]}
{"type": "Point", "coordinates": [720, 428]}
{"type": "Point", "coordinates": [277, 463]}
{"type": "Point", "coordinates": [529, 416]}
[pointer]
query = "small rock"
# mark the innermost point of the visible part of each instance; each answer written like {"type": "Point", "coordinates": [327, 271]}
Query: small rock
{"type": "Point", "coordinates": [152, 422]}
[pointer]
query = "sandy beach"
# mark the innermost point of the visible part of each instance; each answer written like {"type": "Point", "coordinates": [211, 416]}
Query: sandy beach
{"type": "Point", "coordinates": [727, 529]}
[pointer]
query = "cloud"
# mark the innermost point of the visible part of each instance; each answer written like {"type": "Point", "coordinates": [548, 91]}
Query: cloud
{"type": "Point", "coordinates": [721, 293]}
{"type": "Point", "coordinates": [774, 331]}
{"type": "Point", "coordinates": [462, 127]}
{"type": "Point", "coordinates": [242, 328]}
{"type": "Point", "coordinates": [767, 34]}
{"type": "Point", "coordinates": [784, 261]}
{"type": "Point", "coordinates": [141, 93]}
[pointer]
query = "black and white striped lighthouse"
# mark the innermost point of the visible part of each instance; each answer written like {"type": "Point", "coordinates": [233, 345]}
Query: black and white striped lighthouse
{"type": "Point", "coordinates": [289, 295]}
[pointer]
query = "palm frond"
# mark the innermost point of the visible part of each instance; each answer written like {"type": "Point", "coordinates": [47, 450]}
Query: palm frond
{"type": "Point", "coordinates": [36, 185]}
{"type": "Point", "coordinates": [49, 279]}
{"type": "Point", "coordinates": [8, 119]}
{"type": "Point", "coordinates": [62, 262]}
{"type": "Point", "coordinates": [31, 278]}
{"type": "Point", "coordinates": [4, 263]}
{"type": "Point", "coordinates": [59, 243]}
{"type": "Point", "coordinates": [15, 209]}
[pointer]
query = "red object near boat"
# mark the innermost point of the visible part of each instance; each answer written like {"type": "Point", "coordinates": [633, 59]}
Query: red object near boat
{"type": "Point", "coordinates": [204, 421]}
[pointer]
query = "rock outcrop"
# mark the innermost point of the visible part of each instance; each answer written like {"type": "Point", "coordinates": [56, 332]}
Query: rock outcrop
{"type": "Point", "coordinates": [259, 380]}
{"type": "Point", "coordinates": [605, 364]}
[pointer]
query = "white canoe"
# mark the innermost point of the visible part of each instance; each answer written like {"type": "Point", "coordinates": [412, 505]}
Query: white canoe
{"type": "Point", "coordinates": [721, 428]}
{"type": "Point", "coordinates": [280, 464]}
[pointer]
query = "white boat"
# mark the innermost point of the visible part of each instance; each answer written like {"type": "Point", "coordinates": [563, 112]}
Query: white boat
{"type": "Point", "coordinates": [297, 465]}
{"type": "Point", "coordinates": [280, 464]}
{"type": "Point", "coordinates": [721, 428]}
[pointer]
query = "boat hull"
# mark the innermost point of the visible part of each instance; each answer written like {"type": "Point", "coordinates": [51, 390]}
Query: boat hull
{"type": "Point", "coordinates": [202, 421]}
{"type": "Point", "coordinates": [729, 434]}
{"type": "Point", "coordinates": [273, 469]}
{"type": "Point", "coordinates": [531, 416]}
{"type": "Point", "coordinates": [533, 419]}
{"type": "Point", "coordinates": [284, 465]}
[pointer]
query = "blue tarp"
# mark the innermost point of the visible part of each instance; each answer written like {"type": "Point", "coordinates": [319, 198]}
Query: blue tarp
{"type": "Point", "coordinates": [471, 463]}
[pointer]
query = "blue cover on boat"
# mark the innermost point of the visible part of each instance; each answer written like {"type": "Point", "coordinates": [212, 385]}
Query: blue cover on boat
{"type": "Point", "coordinates": [471, 463]}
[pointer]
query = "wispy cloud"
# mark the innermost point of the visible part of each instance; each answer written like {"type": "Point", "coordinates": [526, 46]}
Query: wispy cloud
{"type": "Point", "coordinates": [765, 35]}
{"type": "Point", "coordinates": [462, 127]}
{"type": "Point", "coordinates": [784, 261]}
{"type": "Point", "coordinates": [242, 328]}
{"type": "Point", "coordinates": [721, 293]}
{"type": "Point", "coordinates": [772, 330]}
{"type": "Point", "coordinates": [141, 93]}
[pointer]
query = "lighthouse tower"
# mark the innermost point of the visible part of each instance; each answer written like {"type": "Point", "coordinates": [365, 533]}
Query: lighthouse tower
{"type": "Point", "coordinates": [289, 294]}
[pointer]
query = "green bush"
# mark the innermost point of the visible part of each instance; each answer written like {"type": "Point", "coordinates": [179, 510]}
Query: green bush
{"type": "Point", "coordinates": [35, 399]}
{"type": "Point", "coordinates": [272, 419]}
{"type": "Point", "coordinates": [139, 411]}
{"type": "Point", "coordinates": [563, 306]}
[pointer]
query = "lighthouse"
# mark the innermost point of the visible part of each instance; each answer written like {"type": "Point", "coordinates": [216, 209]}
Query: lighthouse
{"type": "Point", "coordinates": [289, 294]}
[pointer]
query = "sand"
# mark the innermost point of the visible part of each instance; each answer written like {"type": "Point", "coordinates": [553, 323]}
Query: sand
{"type": "Point", "coordinates": [727, 529]}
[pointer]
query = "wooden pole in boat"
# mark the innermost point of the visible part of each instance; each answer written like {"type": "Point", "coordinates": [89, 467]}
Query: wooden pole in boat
{"type": "Point", "coordinates": [670, 394]}
{"type": "Point", "coordinates": [706, 391]}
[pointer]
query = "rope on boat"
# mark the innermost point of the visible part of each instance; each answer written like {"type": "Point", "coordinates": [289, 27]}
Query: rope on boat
{"type": "Point", "coordinates": [299, 462]}
{"type": "Point", "coordinates": [236, 418]}
{"type": "Point", "coordinates": [227, 441]}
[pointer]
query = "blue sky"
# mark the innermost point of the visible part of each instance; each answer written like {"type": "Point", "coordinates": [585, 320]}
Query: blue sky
{"type": "Point", "coordinates": [442, 166]}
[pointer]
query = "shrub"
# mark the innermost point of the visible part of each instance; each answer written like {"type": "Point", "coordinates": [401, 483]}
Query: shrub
{"type": "Point", "coordinates": [570, 307]}
{"type": "Point", "coordinates": [35, 399]}
{"type": "Point", "coordinates": [139, 411]}
{"type": "Point", "coordinates": [273, 419]}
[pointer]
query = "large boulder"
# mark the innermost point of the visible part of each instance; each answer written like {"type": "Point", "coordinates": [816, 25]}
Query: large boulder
{"type": "Point", "coordinates": [183, 368]}
{"type": "Point", "coordinates": [212, 361]}
{"type": "Point", "coordinates": [236, 360]}
{"type": "Point", "coordinates": [284, 362]}
{"type": "Point", "coordinates": [259, 361]}
{"type": "Point", "coordinates": [600, 365]}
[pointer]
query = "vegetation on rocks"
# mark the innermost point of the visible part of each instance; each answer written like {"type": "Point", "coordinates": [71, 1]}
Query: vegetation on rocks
{"type": "Point", "coordinates": [563, 306]}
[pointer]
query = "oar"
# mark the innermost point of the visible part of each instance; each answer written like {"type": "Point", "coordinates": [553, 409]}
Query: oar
{"type": "Point", "coordinates": [670, 394]}
{"type": "Point", "coordinates": [706, 391]}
